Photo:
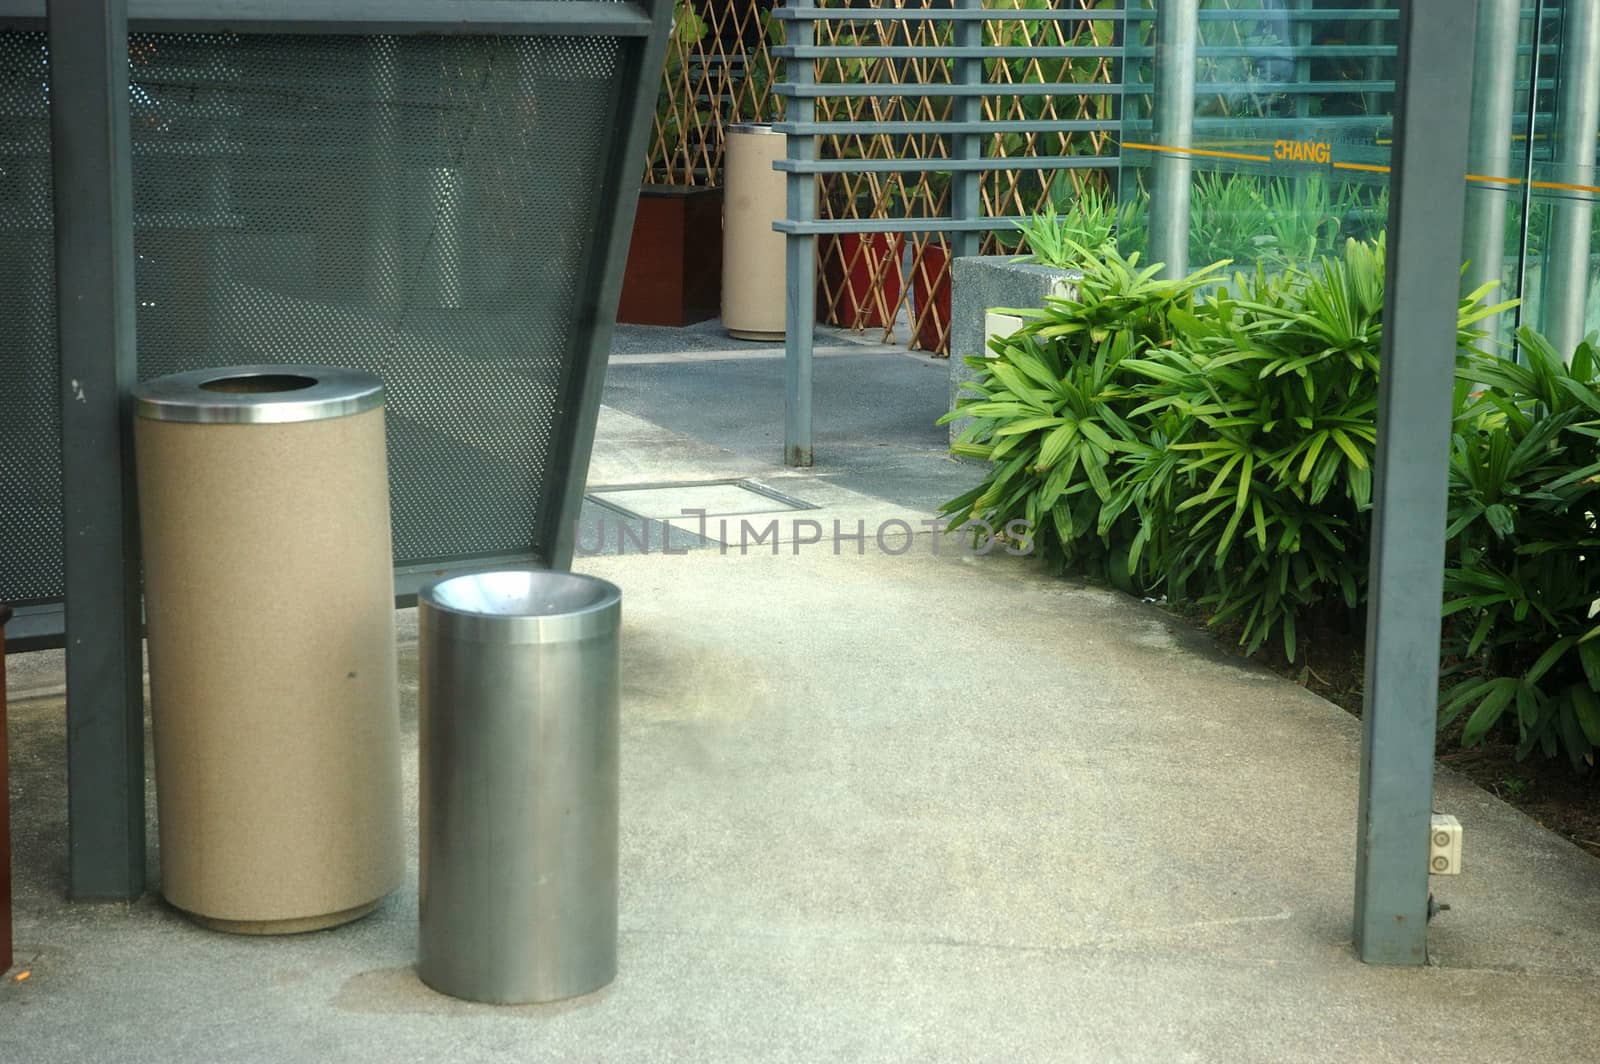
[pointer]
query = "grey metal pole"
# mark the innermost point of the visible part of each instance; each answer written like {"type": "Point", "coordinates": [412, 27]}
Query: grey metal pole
{"type": "Point", "coordinates": [800, 250]}
{"type": "Point", "coordinates": [1177, 36]}
{"type": "Point", "coordinates": [1489, 154]}
{"type": "Point", "coordinates": [966, 186]}
{"type": "Point", "coordinates": [91, 159]}
{"type": "Point", "coordinates": [1374, 35]}
{"type": "Point", "coordinates": [1530, 131]}
{"type": "Point", "coordinates": [1566, 278]}
{"type": "Point", "coordinates": [640, 73]}
{"type": "Point", "coordinates": [1427, 200]}
{"type": "Point", "coordinates": [1301, 31]}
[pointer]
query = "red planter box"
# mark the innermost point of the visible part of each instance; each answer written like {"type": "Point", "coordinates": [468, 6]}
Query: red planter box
{"type": "Point", "coordinates": [930, 295]}
{"type": "Point", "coordinates": [674, 270]}
{"type": "Point", "coordinates": [860, 281]}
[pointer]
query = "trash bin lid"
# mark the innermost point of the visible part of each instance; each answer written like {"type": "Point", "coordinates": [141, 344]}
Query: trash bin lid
{"type": "Point", "coordinates": [263, 394]}
{"type": "Point", "coordinates": [522, 606]}
{"type": "Point", "coordinates": [751, 127]}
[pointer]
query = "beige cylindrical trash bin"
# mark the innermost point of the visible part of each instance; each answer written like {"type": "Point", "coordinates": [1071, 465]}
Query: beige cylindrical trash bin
{"type": "Point", "coordinates": [269, 600]}
{"type": "Point", "coordinates": [752, 254]}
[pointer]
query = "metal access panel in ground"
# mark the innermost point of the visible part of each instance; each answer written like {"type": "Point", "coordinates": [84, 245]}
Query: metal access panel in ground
{"type": "Point", "coordinates": [438, 210]}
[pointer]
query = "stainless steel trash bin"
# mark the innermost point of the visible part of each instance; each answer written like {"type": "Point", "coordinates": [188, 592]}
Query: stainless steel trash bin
{"type": "Point", "coordinates": [518, 789]}
{"type": "Point", "coordinates": [269, 595]}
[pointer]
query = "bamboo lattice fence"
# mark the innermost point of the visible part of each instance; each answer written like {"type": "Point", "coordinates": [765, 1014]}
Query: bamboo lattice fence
{"type": "Point", "coordinates": [720, 71]}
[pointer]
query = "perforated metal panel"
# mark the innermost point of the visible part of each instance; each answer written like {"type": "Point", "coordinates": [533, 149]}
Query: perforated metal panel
{"type": "Point", "coordinates": [30, 449]}
{"type": "Point", "coordinates": [419, 207]}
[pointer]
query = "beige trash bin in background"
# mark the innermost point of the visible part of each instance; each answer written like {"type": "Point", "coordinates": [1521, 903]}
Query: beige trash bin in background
{"type": "Point", "coordinates": [269, 599]}
{"type": "Point", "coordinates": [752, 254]}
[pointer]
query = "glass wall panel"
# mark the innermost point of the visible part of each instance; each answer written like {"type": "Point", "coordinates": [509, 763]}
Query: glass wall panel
{"type": "Point", "coordinates": [1290, 124]}
{"type": "Point", "coordinates": [1561, 278]}
{"type": "Point", "coordinates": [1259, 132]}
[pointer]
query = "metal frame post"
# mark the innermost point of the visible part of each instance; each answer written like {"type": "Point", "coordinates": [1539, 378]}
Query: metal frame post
{"type": "Point", "coordinates": [6, 943]}
{"type": "Point", "coordinates": [1427, 203]}
{"type": "Point", "coordinates": [1493, 97]}
{"type": "Point", "coordinates": [1177, 36]}
{"type": "Point", "coordinates": [640, 64]}
{"type": "Point", "coordinates": [966, 186]}
{"type": "Point", "coordinates": [1566, 277]}
{"type": "Point", "coordinates": [1530, 119]}
{"type": "Point", "coordinates": [91, 157]}
{"type": "Point", "coordinates": [800, 251]}
{"type": "Point", "coordinates": [1302, 65]}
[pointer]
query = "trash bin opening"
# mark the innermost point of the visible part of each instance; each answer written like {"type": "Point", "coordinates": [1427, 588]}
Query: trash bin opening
{"type": "Point", "coordinates": [522, 593]}
{"type": "Point", "coordinates": [259, 383]}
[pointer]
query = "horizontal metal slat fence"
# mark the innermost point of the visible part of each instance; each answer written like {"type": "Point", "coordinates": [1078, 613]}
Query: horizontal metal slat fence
{"type": "Point", "coordinates": [941, 123]}
{"type": "Point", "coordinates": [1009, 107]}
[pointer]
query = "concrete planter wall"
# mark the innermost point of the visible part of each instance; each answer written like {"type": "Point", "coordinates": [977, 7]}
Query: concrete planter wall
{"type": "Point", "coordinates": [980, 284]}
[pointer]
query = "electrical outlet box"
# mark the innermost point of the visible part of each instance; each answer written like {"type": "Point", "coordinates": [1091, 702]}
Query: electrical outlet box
{"type": "Point", "coordinates": [1444, 846]}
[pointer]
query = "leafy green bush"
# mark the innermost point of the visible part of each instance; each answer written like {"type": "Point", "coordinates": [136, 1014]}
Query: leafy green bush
{"type": "Point", "coordinates": [1219, 450]}
{"type": "Point", "coordinates": [1050, 408]}
{"type": "Point", "coordinates": [1282, 223]}
{"type": "Point", "coordinates": [1521, 581]}
{"type": "Point", "coordinates": [1229, 219]}
{"type": "Point", "coordinates": [1270, 470]}
{"type": "Point", "coordinates": [1091, 220]}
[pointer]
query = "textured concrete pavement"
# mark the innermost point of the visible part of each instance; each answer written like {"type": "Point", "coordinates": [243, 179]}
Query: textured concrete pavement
{"type": "Point", "coordinates": [915, 808]}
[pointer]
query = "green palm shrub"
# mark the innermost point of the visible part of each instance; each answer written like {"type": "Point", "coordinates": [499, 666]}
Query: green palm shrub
{"type": "Point", "coordinates": [1305, 219]}
{"type": "Point", "coordinates": [1217, 451]}
{"type": "Point", "coordinates": [1271, 473]}
{"type": "Point", "coordinates": [1229, 218]}
{"type": "Point", "coordinates": [1050, 409]}
{"type": "Point", "coordinates": [1521, 581]}
{"type": "Point", "coordinates": [1089, 219]}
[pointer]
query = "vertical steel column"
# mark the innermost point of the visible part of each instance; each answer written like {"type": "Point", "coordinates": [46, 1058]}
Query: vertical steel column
{"type": "Point", "coordinates": [1301, 31]}
{"type": "Point", "coordinates": [1371, 102]}
{"type": "Point", "coordinates": [639, 68]}
{"type": "Point", "coordinates": [1427, 200]}
{"type": "Point", "coordinates": [966, 186]}
{"type": "Point", "coordinates": [1566, 278]}
{"type": "Point", "coordinates": [800, 250]}
{"type": "Point", "coordinates": [6, 943]}
{"type": "Point", "coordinates": [1530, 131]}
{"type": "Point", "coordinates": [1177, 36]}
{"type": "Point", "coordinates": [91, 157]}
{"type": "Point", "coordinates": [1122, 31]}
{"type": "Point", "coordinates": [1493, 96]}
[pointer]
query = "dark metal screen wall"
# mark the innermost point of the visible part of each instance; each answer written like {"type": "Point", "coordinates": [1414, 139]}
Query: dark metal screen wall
{"type": "Point", "coordinates": [420, 207]}
{"type": "Point", "coordinates": [30, 419]}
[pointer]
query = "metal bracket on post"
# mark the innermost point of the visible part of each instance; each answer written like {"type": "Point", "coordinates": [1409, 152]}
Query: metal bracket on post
{"type": "Point", "coordinates": [1426, 207]}
{"type": "Point", "coordinates": [800, 249]}
{"type": "Point", "coordinates": [91, 156]}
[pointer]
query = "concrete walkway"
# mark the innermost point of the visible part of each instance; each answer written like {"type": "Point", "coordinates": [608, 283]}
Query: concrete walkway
{"type": "Point", "coordinates": [914, 807]}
